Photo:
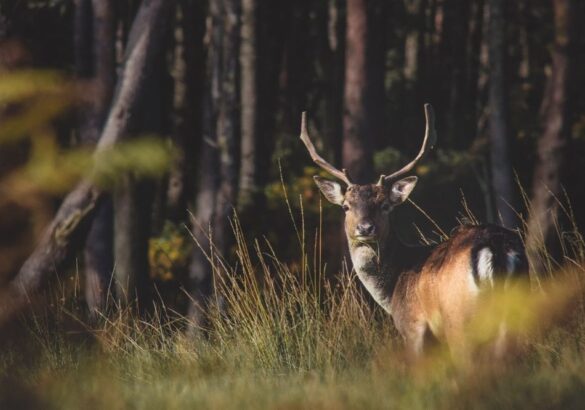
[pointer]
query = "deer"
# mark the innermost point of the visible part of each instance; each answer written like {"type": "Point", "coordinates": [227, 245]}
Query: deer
{"type": "Point", "coordinates": [431, 292]}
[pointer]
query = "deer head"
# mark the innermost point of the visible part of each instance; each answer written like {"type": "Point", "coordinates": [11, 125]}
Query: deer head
{"type": "Point", "coordinates": [367, 207]}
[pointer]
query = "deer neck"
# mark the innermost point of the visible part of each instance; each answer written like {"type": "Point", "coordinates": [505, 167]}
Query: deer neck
{"type": "Point", "coordinates": [376, 267]}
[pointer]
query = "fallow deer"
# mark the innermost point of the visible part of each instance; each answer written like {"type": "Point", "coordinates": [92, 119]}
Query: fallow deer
{"type": "Point", "coordinates": [430, 291]}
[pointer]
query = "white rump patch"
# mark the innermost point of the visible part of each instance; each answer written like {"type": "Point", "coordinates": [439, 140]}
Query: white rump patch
{"type": "Point", "coordinates": [485, 268]}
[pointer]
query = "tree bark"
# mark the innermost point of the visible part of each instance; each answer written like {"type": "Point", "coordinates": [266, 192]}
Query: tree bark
{"type": "Point", "coordinates": [455, 33]}
{"type": "Point", "coordinates": [95, 63]}
{"type": "Point", "coordinates": [82, 38]}
{"type": "Point", "coordinates": [357, 144]}
{"type": "Point", "coordinates": [98, 258]}
{"type": "Point", "coordinates": [248, 184]}
{"type": "Point", "coordinates": [546, 185]}
{"type": "Point", "coordinates": [68, 230]}
{"type": "Point", "coordinates": [132, 211]}
{"type": "Point", "coordinates": [134, 197]}
{"type": "Point", "coordinates": [501, 167]}
{"type": "Point", "coordinates": [333, 124]}
{"type": "Point", "coordinates": [218, 191]}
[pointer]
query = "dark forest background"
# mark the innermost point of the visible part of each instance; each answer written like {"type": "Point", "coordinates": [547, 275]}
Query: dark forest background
{"type": "Point", "coordinates": [224, 82]}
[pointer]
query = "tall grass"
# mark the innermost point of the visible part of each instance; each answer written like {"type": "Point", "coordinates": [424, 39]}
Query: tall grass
{"type": "Point", "coordinates": [287, 337]}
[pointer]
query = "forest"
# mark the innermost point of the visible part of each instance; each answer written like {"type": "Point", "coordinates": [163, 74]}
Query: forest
{"type": "Point", "coordinates": [163, 243]}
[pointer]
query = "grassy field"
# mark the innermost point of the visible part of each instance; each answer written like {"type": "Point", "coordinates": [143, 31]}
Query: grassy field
{"type": "Point", "coordinates": [290, 339]}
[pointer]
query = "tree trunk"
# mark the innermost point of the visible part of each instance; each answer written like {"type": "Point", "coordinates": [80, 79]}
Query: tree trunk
{"type": "Point", "coordinates": [227, 128]}
{"type": "Point", "coordinates": [248, 185]}
{"type": "Point", "coordinates": [98, 258]}
{"type": "Point", "coordinates": [218, 191]}
{"type": "Point", "coordinates": [333, 124]}
{"type": "Point", "coordinates": [375, 95]}
{"type": "Point", "coordinates": [82, 38]}
{"type": "Point", "coordinates": [104, 36]}
{"type": "Point", "coordinates": [455, 33]}
{"type": "Point", "coordinates": [189, 80]}
{"type": "Point", "coordinates": [134, 197]}
{"type": "Point", "coordinates": [68, 230]}
{"type": "Point", "coordinates": [357, 145]}
{"type": "Point", "coordinates": [501, 167]}
{"type": "Point", "coordinates": [94, 55]}
{"type": "Point", "coordinates": [132, 211]}
{"type": "Point", "coordinates": [546, 185]}
{"type": "Point", "coordinates": [271, 31]}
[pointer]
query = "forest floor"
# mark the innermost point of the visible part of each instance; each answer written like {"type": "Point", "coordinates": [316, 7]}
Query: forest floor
{"type": "Point", "coordinates": [287, 352]}
{"type": "Point", "coordinates": [291, 339]}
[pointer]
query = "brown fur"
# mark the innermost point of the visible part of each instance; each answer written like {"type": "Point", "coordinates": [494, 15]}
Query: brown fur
{"type": "Point", "coordinates": [425, 289]}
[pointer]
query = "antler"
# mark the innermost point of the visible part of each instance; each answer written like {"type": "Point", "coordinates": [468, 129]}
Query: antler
{"type": "Point", "coordinates": [428, 143]}
{"type": "Point", "coordinates": [342, 175]}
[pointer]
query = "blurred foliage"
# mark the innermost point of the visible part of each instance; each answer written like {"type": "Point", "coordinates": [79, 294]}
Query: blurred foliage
{"type": "Point", "coordinates": [37, 166]}
{"type": "Point", "coordinates": [169, 253]}
{"type": "Point", "coordinates": [31, 101]}
{"type": "Point", "coordinates": [304, 186]}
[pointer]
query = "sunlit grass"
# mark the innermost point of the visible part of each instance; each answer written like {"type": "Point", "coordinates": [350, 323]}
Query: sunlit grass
{"type": "Point", "coordinates": [291, 338]}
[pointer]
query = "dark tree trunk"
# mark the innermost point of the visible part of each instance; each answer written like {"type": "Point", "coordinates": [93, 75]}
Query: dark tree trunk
{"type": "Point", "coordinates": [188, 87]}
{"type": "Point", "coordinates": [98, 257]}
{"type": "Point", "coordinates": [470, 98]}
{"type": "Point", "coordinates": [104, 36]}
{"type": "Point", "coordinates": [546, 185]}
{"type": "Point", "coordinates": [218, 190]}
{"type": "Point", "coordinates": [82, 39]}
{"type": "Point", "coordinates": [132, 211]}
{"type": "Point", "coordinates": [174, 198]}
{"type": "Point", "coordinates": [134, 197]}
{"type": "Point", "coordinates": [501, 167]}
{"type": "Point", "coordinates": [334, 79]}
{"type": "Point", "coordinates": [248, 185]}
{"type": "Point", "coordinates": [67, 233]}
{"type": "Point", "coordinates": [357, 144]}
{"type": "Point", "coordinates": [94, 46]}
{"type": "Point", "coordinates": [270, 42]}
{"type": "Point", "coordinates": [453, 56]}
{"type": "Point", "coordinates": [375, 125]}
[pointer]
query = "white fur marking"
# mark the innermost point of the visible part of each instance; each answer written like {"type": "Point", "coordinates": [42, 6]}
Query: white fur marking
{"type": "Point", "coordinates": [364, 260]}
{"type": "Point", "coordinates": [485, 268]}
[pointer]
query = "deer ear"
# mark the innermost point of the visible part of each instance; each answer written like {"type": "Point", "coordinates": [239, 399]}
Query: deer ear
{"type": "Point", "coordinates": [330, 189]}
{"type": "Point", "coordinates": [400, 190]}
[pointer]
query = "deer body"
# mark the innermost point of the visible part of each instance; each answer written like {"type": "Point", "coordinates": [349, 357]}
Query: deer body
{"type": "Point", "coordinates": [430, 290]}
{"type": "Point", "coordinates": [433, 290]}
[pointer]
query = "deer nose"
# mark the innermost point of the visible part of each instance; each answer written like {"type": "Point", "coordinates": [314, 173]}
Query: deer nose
{"type": "Point", "coordinates": [366, 229]}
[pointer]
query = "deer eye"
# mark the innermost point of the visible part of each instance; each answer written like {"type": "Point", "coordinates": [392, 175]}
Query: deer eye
{"type": "Point", "coordinates": [385, 207]}
{"type": "Point", "coordinates": [345, 207]}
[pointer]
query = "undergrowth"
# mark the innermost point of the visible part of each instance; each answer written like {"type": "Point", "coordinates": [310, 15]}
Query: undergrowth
{"type": "Point", "coordinates": [288, 337]}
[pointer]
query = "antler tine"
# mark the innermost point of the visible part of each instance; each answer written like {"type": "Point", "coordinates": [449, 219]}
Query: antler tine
{"type": "Point", "coordinates": [342, 175]}
{"type": "Point", "coordinates": [428, 143]}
